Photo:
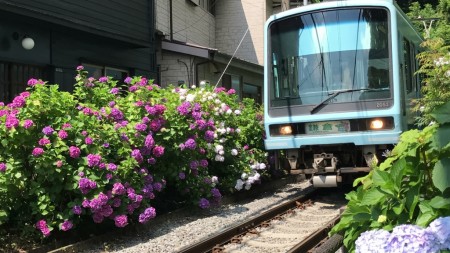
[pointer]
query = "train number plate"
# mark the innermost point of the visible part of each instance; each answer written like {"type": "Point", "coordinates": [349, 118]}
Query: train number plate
{"type": "Point", "coordinates": [325, 127]}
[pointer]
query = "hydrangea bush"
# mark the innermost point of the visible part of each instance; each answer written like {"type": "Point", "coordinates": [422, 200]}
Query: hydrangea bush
{"type": "Point", "coordinates": [105, 151]}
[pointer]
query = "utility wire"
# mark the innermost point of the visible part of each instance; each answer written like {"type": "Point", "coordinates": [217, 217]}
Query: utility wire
{"type": "Point", "coordinates": [232, 56]}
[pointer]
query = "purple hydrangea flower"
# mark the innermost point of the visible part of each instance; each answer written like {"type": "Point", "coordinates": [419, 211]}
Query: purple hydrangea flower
{"type": "Point", "coordinates": [209, 136]}
{"type": "Point", "coordinates": [411, 238]}
{"type": "Point", "coordinates": [440, 227]}
{"type": "Point", "coordinates": [149, 213]}
{"type": "Point", "coordinates": [216, 193]}
{"type": "Point", "coordinates": [190, 144]}
{"type": "Point", "coordinates": [127, 80]}
{"type": "Point", "coordinates": [76, 210]}
{"type": "Point", "coordinates": [203, 203]}
{"type": "Point", "coordinates": [86, 185]}
{"type": "Point", "coordinates": [182, 175]}
{"type": "Point", "coordinates": [74, 152]}
{"type": "Point", "coordinates": [48, 130]}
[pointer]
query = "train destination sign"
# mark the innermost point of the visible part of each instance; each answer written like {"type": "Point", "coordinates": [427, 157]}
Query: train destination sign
{"type": "Point", "coordinates": [325, 127]}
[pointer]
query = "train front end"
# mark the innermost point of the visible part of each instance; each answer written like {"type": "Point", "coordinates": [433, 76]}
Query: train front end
{"type": "Point", "coordinates": [333, 88]}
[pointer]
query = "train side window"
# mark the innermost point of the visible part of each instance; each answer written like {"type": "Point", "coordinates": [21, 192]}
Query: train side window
{"type": "Point", "coordinates": [407, 65]}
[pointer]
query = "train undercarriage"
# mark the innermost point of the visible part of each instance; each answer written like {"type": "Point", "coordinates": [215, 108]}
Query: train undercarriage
{"type": "Point", "coordinates": [331, 165]}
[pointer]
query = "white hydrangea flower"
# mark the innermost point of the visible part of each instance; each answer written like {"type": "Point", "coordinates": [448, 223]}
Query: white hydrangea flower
{"type": "Point", "coordinates": [210, 98]}
{"type": "Point", "coordinates": [214, 179]}
{"type": "Point", "coordinates": [239, 184]}
{"type": "Point", "coordinates": [237, 112]}
{"type": "Point", "coordinates": [190, 97]}
{"type": "Point", "coordinates": [216, 135]}
{"type": "Point", "coordinates": [218, 148]}
{"type": "Point", "coordinates": [234, 152]}
{"type": "Point", "coordinates": [253, 166]}
{"type": "Point", "coordinates": [262, 166]}
{"type": "Point", "coordinates": [248, 186]}
{"type": "Point", "coordinates": [229, 111]}
{"type": "Point", "coordinates": [244, 176]}
{"type": "Point", "coordinates": [228, 130]}
{"type": "Point", "coordinates": [238, 130]}
{"type": "Point", "coordinates": [221, 152]}
{"type": "Point", "coordinates": [219, 158]}
{"type": "Point", "coordinates": [193, 87]}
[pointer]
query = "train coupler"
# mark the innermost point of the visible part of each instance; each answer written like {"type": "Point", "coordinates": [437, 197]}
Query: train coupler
{"type": "Point", "coordinates": [324, 163]}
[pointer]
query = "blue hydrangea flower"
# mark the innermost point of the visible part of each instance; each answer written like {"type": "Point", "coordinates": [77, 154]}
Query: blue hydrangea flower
{"type": "Point", "coordinates": [441, 230]}
{"type": "Point", "coordinates": [411, 239]}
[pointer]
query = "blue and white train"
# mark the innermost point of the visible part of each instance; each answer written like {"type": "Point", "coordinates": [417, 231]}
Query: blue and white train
{"type": "Point", "coordinates": [339, 80]}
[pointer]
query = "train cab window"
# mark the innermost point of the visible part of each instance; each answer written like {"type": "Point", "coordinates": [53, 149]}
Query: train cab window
{"type": "Point", "coordinates": [315, 55]}
{"type": "Point", "coordinates": [407, 68]}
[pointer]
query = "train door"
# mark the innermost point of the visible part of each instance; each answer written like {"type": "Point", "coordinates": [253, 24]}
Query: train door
{"type": "Point", "coordinates": [409, 68]}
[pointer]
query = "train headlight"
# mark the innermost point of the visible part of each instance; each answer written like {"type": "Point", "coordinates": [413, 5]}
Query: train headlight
{"type": "Point", "coordinates": [376, 124]}
{"type": "Point", "coordinates": [285, 130]}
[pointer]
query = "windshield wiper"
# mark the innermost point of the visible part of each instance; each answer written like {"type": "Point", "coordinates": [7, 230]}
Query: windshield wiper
{"type": "Point", "coordinates": [335, 94]}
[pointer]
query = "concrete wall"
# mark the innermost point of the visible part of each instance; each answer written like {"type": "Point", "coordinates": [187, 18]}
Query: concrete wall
{"type": "Point", "coordinates": [233, 17]}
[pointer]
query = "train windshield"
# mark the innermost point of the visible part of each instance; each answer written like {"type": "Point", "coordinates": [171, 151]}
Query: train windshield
{"type": "Point", "coordinates": [316, 55]}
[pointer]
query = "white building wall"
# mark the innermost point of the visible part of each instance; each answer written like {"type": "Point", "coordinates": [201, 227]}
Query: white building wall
{"type": "Point", "coordinates": [233, 17]}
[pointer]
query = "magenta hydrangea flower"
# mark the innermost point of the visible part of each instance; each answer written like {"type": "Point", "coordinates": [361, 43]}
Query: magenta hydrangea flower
{"type": "Point", "coordinates": [121, 220]}
{"type": "Point", "coordinates": [2, 167]}
{"type": "Point", "coordinates": [103, 79]}
{"type": "Point", "coordinates": [88, 140]}
{"type": "Point", "coordinates": [112, 167]}
{"type": "Point", "coordinates": [44, 141]}
{"type": "Point", "coordinates": [34, 81]}
{"type": "Point", "coordinates": [114, 91]}
{"type": "Point", "coordinates": [209, 136]}
{"type": "Point", "coordinates": [86, 185]}
{"type": "Point", "coordinates": [37, 152]}
{"type": "Point", "coordinates": [66, 225]}
{"type": "Point", "coordinates": [118, 189]}
{"type": "Point", "coordinates": [11, 121]}
{"type": "Point", "coordinates": [93, 160]}
{"type": "Point", "coordinates": [43, 227]}
{"type": "Point", "coordinates": [127, 80]}
{"type": "Point", "coordinates": [62, 134]}
{"type": "Point", "coordinates": [80, 67]}
{"type": "Point", "coordinates": [158, 151]}
{"type": "Point", "coordinates": [74, 152]}
{"type": "Point", "coordinates": [17, 102]}
{"type": "Point", "coordinates": [27, 123]}
{"type": "Point", "coordinates": [149, 142]}
{"type": "Point", "coordinates": [140, 127]}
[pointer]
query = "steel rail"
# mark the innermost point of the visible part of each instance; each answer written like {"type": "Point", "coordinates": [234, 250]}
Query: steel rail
{"type": "Point", "coordinates": [215, 241]}
{"type": "Point", "coordinates": [315, 239]}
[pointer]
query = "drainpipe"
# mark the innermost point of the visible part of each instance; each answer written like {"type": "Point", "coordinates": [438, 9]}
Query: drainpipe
{"type": "Point", "coordinates": [171, 20]}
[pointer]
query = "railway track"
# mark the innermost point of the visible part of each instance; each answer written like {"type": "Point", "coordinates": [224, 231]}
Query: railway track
{"type": "Point", "coordinates": [299, 225]}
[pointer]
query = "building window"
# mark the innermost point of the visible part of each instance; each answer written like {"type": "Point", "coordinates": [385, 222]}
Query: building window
{"type": "Point", "coordinates": [98, 71]}
{"type": "Point", "coordinates": [208, 5]}
{"type": "Point", "coordinates": [252, 91]}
